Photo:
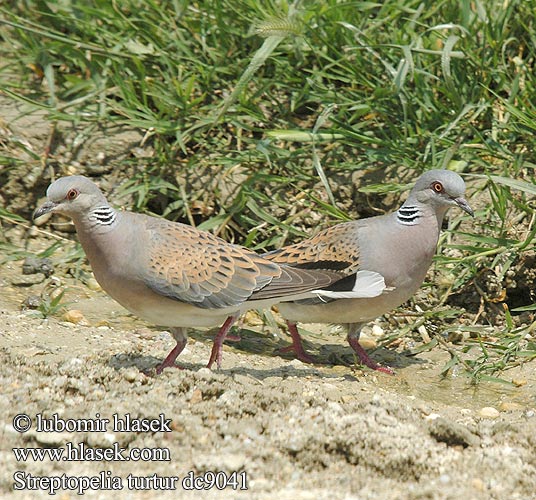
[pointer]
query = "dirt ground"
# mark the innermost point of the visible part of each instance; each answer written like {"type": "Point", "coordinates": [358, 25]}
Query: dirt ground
{"type": "Point", "coordinates": [263, 421]}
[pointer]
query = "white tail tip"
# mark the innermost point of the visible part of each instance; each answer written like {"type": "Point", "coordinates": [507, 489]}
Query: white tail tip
{"type": "Point", "coordinates": [368, 284]}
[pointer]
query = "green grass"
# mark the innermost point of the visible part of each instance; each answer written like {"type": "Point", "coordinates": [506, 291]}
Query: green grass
{"type": "Point", "coordinates": [291, 100]}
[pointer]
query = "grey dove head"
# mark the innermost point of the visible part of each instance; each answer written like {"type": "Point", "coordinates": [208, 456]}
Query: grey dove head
{"type": "Point", "coordinates": [73, 196]}
{"type": "Point", "coordinates": [440, 189]}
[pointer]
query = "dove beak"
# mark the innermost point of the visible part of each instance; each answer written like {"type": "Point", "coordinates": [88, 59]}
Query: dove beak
{"type": "Point", "coordinates": [462, 203]}
{"type": "Point", "coordinates": [45, 208]}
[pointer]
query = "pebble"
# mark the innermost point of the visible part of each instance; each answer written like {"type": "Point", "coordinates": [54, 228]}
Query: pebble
{"type": "Point", "coordinates": [367, 343]}
{"type": "Point", "coordinates": [28, 279]}
{"type": "Point", "coordinates": [252, 318]}
{"type": "Point", "coordinates": [488, 412]}
{"type": "Point", "coordinates": [519, 382]}
{"type": "Point", "coordinates": [377, 331]}
{"type": "Point", "coordinates": [31, 302]}
{"type": "Point", "coordinates": [34, 265]}
{"type": "Point", "coordinates": [131, 374]}
{"type": "Point", "coordinates": [510, 406]}
{"type": "Point", "coordinates": [296, 363]}
{"type": "Point", "coordinates": [196, 397]}
{"type": "Point", "coordinates": [75, 316]}
{"type": "Point", "coordinates": [478, 484]}
{"type": "Point", "coordinates": [93, 285]}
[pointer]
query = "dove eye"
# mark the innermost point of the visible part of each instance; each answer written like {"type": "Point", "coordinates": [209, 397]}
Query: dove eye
{"type": "Point", "coordinates": [72, 194]}
{"type": "Point", "coordinates": [437, 187]}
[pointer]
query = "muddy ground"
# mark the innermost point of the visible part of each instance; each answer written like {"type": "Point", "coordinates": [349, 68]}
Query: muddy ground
{"type": "Point", "coordinates": [293, 430]}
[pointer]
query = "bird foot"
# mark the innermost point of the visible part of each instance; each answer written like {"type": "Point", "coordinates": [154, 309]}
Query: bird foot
{"type": "Point", "coordinates": [216, 352]}
{"type": "Point", "coordinates": [169, 362]}
{"type": "Point", "coordinates": [297, 346]}
{"type": "Point", "coordinates": [366, 360]}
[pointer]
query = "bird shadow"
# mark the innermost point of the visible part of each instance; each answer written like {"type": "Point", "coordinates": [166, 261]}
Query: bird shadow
{"type": "Point", "coordinates": [253, 342]}
{"type": "Point", "coordinates": [326, 353]}
{"type": "Point", "coordinates": [148, 364]}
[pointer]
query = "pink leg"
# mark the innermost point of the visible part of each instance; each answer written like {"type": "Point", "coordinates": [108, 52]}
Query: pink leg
{"type": "Point", "coordinates": [353, 340]}
{"type": "Point", "coordinates": [216, 352]}
{"type": "Point", "coordinates": [297, 345]}
{"type": "Point", "coordinates": [179, 334]}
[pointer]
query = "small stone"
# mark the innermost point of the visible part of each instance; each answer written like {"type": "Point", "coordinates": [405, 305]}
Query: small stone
{"type": "Point", "coordinates": [34, 265]}
{"type": "Point", "coordinates": [296, 363]}
{"type": "Point", "coordinates": [75, 316]}
{"type": "Point", "coordinates": [252, 318]}
{"type": "Point", "coordinates": [510, 406]}
{"type": "Point", "coordinates": [93, 285]}
{"type": "Point", "coordinates": [28, 279]}
{"type": "Point", "coordinates": [478, 484]}
{"type": "Point", "coordinates": [489, 412]}
{"type": "Point", "coordinates": [196, 397]}
{"type": "Point", "coordinates": [377, 331]}
{"type": "Point", "coordinates": [367, 343]}
{"type": "Point", "coordinates": [131, 374]}
{"type": "Point", "coordinates": [31, 302]}
{"type": "Point", "coordinates": [519, 382]}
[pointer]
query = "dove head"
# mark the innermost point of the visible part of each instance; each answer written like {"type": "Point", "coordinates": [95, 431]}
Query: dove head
{"type": "Point", "coordinates": [73, 196]}
{"type": "Point", "coordinates": [440, 189]}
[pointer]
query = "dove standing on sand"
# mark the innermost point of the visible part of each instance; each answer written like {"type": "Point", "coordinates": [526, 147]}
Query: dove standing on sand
{"type": "Point", "coordinates": [175, 275]}
{"type": "Point", "coordinates": [399, 246]}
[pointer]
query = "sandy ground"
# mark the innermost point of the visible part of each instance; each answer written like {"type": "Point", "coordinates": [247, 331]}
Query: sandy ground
{"type": "Point", "coordinates": [289, 430]}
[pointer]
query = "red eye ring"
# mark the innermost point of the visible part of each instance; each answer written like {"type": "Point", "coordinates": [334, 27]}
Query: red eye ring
{"type": "Point", "coordinates": [72, 194]}
{"type": "Point", "coordinates": [437, 187]}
